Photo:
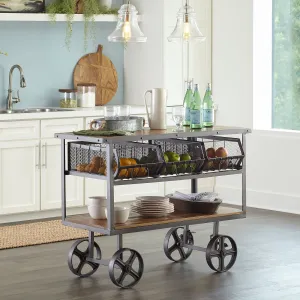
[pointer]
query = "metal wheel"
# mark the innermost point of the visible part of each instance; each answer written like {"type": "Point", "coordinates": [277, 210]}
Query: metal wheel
{"type": "Point", "coordinates": [77, 258]}
{"type": "Point", "coordinates": [221, 253]}
{"type": "Point", "coordinates": [126, 268]}
{"type": "Point", "coordinates": [173, 244]}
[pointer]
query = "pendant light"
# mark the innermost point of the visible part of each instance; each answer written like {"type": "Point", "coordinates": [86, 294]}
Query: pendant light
{"type": "Point", "coordinates": [127, 29]}
{"type": "Point", "coordinates": [186, 29]}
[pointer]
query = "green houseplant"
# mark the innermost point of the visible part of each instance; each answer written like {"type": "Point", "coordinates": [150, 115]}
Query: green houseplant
{"type": "Point", "coordinates": [89, 8]}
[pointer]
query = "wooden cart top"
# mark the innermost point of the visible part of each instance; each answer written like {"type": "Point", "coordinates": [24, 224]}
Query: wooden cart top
{"type": "Point", "coordinates": [148, 134]}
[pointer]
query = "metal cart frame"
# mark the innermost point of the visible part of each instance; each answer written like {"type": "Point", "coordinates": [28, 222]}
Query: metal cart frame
{"type": "Point", "coordinates": [217, 244]}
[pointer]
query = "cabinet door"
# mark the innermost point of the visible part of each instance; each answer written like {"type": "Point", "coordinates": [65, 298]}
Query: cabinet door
{"type": "Point", "coordinates": [51, 178]}
{"type": "Point", "coordinates": [52, 126]}
{"type": "Point", "coordinates": [20, 177]}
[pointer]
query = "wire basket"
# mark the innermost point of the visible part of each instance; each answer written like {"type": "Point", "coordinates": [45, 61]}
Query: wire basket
{"type": "Point", "coordinates": [130, 160]}
{"type": "Point", "coordinates": [223, 153]}
{"type": "Point", "coordinates": [182, 156]}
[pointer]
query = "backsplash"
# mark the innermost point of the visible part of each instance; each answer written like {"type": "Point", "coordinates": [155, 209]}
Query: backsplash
{"type": "Point", "coordinates": [40, 50]}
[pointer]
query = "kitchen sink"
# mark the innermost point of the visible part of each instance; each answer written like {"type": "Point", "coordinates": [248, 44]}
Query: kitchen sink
{"type": "Point", "coordinates": [33, 110]}
{"type": "Point", "coordinates": [15, 111]}
{"type": "Point", "coordinates": [39, 110]}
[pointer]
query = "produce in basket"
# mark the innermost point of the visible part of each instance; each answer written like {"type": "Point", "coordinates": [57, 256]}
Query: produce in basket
{"type": "Point", "coordinates": [221, 153]}
{"type": "Point", "coordinates": [123, 163]}
{"type": "Point", "coordinates": [182, 168]}
{"type": "Point", "coordinates": [93, 167]}
{"type": "Point", "coordinates": [216, 158]}
{"type": "Point", "coordinates": [211, 153]}
{"type": "Point", "coordinates": [174, 165]}
{"type": "Point", "coordinates": [172, 156]}
{"type": "Point", "coordinates": [81, 167]}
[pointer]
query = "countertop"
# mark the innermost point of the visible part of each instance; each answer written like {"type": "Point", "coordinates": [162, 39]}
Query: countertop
{"type": "Point", "coordinates": [76, 113]}
{"type": "Point", "coordinates": [150, 134]}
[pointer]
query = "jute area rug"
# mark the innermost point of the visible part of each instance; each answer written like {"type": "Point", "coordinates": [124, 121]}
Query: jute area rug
{"type": "Point", "coordinates": [37, 233]}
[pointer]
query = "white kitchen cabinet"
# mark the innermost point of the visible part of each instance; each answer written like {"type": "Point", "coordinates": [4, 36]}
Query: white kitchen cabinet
{"type": "Point", "coordinates": [50, 127]}
{"type": "Point", "coordinates": [51, 167]}
{"type": "Point", "coordinates": [51, 178]}
{"type": "Point", "coordinates": [20, 176]}
{"type": "Point", "coordinates": [15, 131]}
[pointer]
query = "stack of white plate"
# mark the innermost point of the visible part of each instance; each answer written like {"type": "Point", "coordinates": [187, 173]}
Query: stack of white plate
{"type": "Point", "coordinates": [152, 206]}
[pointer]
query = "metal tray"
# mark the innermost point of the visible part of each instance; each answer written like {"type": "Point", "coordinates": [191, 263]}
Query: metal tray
{"type": "Point", "coordinates": [131, 124]}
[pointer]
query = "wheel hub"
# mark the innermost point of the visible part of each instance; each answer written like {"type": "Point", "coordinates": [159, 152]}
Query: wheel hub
{"type": "Point", "coordinates": [128, 268]}
{"type": "Point", "coordinates": [217, 249]}
{"type": "Point", "coordinates": [83, 259]}
{"type": "Point", "coordinates": [174, 243]}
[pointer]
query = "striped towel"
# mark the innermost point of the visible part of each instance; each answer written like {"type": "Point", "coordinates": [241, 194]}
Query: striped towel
{"type": "Point", "coordinates": [206, 196]}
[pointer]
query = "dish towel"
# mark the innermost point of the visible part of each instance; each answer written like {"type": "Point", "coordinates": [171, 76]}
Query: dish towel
{"type": "Point", "coordinates": [207, 196]}
{"type": "Point", "coordinates": [101, 133]}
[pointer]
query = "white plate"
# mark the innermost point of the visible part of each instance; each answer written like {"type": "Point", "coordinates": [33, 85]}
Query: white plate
{"type": "Point", "coordinates": [155, 205]}
{"type": "Point", "coordinates": [152, 199]}
{"type": "Point", "coordinates": [155, 215]}
{"type": "Point", "coordinates": [154, 211]}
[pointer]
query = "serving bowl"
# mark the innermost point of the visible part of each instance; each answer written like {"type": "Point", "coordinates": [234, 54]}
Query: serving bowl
{"type": "Point", "coordinates": [96, 207]}
{"type": "Point", "coordinates": [121, 214]}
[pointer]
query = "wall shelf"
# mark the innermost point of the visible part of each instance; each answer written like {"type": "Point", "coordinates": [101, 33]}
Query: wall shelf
{"type": "Point", "coordinates": [16, 17]}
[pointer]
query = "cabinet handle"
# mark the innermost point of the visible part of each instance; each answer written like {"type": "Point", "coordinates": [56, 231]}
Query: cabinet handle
{"type": "Point", "coordinates": [45, 155]}
{"type": "Point", "coordinates": [37, 156]}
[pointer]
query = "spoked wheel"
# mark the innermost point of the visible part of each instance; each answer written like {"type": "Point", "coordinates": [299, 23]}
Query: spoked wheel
{"type": "Point", "coordinates": [221, 253]}
{"type": "Point", "coordinates": [77, 258]}
{"type": "Point", "coordinates": [173, 244]}
{"type": "Point", "coordinates": [126, 268]}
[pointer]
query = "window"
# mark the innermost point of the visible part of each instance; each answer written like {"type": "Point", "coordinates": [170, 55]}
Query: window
{"type": "Point", "coordinates": [286, 64]}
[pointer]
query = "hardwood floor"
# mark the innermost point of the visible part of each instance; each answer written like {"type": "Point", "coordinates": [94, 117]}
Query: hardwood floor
{"type": "Point", "coordinates": [267, 268]}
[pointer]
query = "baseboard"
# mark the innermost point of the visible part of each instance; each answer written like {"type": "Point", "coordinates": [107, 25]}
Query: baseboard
{"type": "Point", "coordinates": [261, 199]}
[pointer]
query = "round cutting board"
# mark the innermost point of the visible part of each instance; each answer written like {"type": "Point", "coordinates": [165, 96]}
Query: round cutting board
{"type": "Point", "coordinates": [98, 69]}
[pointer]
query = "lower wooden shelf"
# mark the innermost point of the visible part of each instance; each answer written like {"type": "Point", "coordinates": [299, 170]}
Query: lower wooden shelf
{"type": "Point", "coordinates": [136, 223]}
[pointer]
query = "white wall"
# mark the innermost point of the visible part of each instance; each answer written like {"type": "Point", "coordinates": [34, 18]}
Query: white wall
{"type": "Point", "coordinates": [160, 64]}
{"type": "Point", "coordinates": [143, 62]}
{"type": "Point", "coordinates": [232, 57]}
{"type": "Point", "coordinates": [272, 163]}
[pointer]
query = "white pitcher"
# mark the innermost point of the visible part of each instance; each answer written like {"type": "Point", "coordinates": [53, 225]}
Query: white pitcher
{"type": "Point", "coordinates": [157, 119]}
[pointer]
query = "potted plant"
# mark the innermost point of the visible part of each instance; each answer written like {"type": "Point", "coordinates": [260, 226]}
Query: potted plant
{"type": "Point", "coordinates": [89, 8]}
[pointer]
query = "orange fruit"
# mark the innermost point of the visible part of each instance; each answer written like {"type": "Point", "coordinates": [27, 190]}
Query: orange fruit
{"type": "Point", "coordinates": [133, 172]}
{"type": "Point", "coordinates": [142, 172]}
{"type": "Point", "coordinates": [132, 161]}
{"type": "Point", "coordinates": [123, 163]}
{"type": "Point", "coordinates": [102, 170]}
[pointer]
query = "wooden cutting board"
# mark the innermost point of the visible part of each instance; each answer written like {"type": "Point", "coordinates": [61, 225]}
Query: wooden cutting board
{"type": "Point", "coordinates": [98, 69]}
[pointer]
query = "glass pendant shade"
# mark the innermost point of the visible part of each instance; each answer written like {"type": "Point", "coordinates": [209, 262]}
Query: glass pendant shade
{"type": "Point", "coordinates": [128, 29]}
{"type": "Point", "coordinates": [186, 29]}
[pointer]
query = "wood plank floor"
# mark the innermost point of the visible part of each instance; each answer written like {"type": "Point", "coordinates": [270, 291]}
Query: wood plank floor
{"type": "Point", "coordinates": [267, 268]}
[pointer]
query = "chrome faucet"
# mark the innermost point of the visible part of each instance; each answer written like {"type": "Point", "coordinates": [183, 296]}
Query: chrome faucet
{"type": "Point", "coordinates": [10, 99]}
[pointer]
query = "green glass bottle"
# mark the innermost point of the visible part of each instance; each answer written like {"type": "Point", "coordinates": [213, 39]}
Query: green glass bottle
{"type": "Point", "coordinates": [188, 99]}
{"type": "Point", "coordinates": [196, 111]}
{"type": "Point", "coordinates": [208, 108]}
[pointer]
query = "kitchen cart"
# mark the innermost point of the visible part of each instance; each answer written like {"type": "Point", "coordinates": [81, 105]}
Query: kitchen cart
{"type": "Point", "coordinates": [79, 154]}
